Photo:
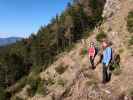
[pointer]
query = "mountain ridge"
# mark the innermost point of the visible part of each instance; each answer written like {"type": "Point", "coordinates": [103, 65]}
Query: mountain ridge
{"type": "Point", "coordinates": [9, 40]}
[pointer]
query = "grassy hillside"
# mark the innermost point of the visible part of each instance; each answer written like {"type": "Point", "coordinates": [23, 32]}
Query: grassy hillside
{"type": "Point", "coordinates": [37, 52]}
{"type": "Point", "coordinates": [53, 65]}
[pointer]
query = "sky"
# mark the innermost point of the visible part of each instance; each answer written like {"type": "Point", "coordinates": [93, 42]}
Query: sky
{"type": "Point", "coordinates": [20, 18]}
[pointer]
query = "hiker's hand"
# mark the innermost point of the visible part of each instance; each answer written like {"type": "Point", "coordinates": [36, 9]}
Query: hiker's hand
{"type": "Point", "coordinates": [106, 64]}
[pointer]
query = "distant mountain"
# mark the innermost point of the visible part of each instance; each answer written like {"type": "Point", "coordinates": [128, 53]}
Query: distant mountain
{"type": "Point", "coordinates": [9, 40]}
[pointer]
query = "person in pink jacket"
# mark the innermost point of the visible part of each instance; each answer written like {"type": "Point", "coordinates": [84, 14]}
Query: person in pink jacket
{"type": "Point", "coordinates": [92, 53]}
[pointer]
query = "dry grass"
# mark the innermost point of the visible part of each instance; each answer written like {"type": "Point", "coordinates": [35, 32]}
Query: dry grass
{"type": "Point", "coordinates": [93, 83]}
{"type": "Point", "coordinates": [61, 82]}
{"type": "Point", "coordinates": [61, 69]}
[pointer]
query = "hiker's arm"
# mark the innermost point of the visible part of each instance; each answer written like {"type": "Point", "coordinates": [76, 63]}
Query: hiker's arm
{"type": "Point", "coordinates": [108, 56]}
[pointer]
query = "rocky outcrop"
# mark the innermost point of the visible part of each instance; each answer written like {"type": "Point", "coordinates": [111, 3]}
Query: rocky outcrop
{"type": "Point", "coordinates": [111, 7]}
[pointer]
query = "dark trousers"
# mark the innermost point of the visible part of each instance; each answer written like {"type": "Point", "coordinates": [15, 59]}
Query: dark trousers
{"type": "Point", "coordinates": [92, 62]}
{"type": "Point", "coordinates": [105, 73]}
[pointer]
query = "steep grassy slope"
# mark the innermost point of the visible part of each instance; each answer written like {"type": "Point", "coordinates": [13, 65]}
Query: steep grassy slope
{"type": "Point", "coordinates": [69, 77]}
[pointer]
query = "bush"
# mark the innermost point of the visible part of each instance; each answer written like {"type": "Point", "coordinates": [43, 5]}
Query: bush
{"type": "Point", "coordinates": [115, 66]}
{"type": "Point", "coordinates": [69, 47]}
{"type": "Point", "coordinates": [131, 93]}
{"type": "Point", "coordinates": [17, 98]}
{"type": "Point", "coordinates": [117, 71]}
{"type": "Point", "coordinates": [50, 81]}
{"type": "Point", "coordinates": [130, 22]}
{"type": "Point", "coordinates": [101, 36]}
{"type": "Point", "coordinates": [61, 82]}
{"type": "Point", "coordinates": [121, 50]}
{"type": "Point", "coordinates": [33, 82]}
{"type": "Point", "coordinates": [131, 40]}
{"type": "Point", "coordinates": [83, 51]}
{"type": "Point", "coordinates": [61, 69]}
{"type": "Point", "coordinates": [2, 94]}
{"type": "Point", "coordinates": [42, 89]}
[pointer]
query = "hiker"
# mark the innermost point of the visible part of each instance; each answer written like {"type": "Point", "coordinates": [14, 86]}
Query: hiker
{"type": "Point", "coordinates": [92, 53]}
{"type": "Point", "coordinates": [106, 59]}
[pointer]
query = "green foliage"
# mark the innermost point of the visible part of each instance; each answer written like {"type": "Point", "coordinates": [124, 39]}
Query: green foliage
{"type": "Point", "coordinates": [100, 36]}
{"type": "Point", "coordinates": [115, 66]}
{"type": "Point", "coordinates": [131, 40]}
{"type": "Point", "coordinates": [42, 89]}
{"type": "Point", "coordinates": [50, 81]}
{"type": "Point", "coordinates": [17, 98]}
{"type": "Point", "coordinates": [61, 69]}
{"type": "Point", "coordinates": [121, 50]}
{"type": "Point", "coordinates": [97, 7]}
{"type": "Point", "coordinates": [84, 51]}
{"type": "Point", "coordinates": [67, 49]}
{"type": "Point", "coordinates": [61, 82]}
{"type": "Point", "coordinates": [131, 92]}
{"type": "Point", "coordinates": [117, 71]}
{"type": "Point", "coordinates": [2, 94]}
{"type": "Point", "coordinates": [130, 21]}
{"type": "Point", "coordinates": [33, 82]}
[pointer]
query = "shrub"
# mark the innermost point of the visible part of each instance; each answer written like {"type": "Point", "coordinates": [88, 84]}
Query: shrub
{"type": "Point", "coordinates": [61, 82]}
{"type": "Point", "coordinates": [121, 50]}
{"type": "Point", "coordinates": [130, 22]}
{"type": "Point", "coordinates": [83, 51]}
{"type": "Point", "coordinates": [33, 82]}
{"type": "Point", "coordinates": [115, 66]}
{"type": "Point", "coordinates": [61, 69]}
{"type": "Point", "coordinates": [117, 71]}
{"type": "Point", "coordinates": [50, 81]}
{"type": "Point", "coordinates": [131, 40]}
{"type": "Point", "coordinates": [100, 36]}
{"type": "Point", "coordinates": [2, 94]}
{"type": "Point", "coordinates": [131, 93]}
{"type": "Point", "coordinates": [42, 89]}
{"type": "Point", "coordinates": [68, 48]}
{"type": "Point", "coordinates": [18, 98]}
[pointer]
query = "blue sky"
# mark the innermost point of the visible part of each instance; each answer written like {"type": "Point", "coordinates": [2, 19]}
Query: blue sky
{"type": "Point", "coordinates": [22, 17]}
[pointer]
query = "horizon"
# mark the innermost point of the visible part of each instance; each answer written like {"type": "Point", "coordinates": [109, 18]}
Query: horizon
{"type": "Point", "coordinates": [21, 18]}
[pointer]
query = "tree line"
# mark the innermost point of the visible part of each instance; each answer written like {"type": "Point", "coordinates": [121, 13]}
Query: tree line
{"type": "Point", "coordinates": [19, 59]}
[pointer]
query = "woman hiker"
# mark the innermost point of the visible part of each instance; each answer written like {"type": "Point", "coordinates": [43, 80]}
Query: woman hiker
{"type": "Point", "coordinates": [92, 53]}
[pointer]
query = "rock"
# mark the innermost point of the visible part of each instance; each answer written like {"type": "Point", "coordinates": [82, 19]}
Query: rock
{"type": "Point", "coordinates": [23, 94]}
{"type": "Point", "coordinates": [111, 7]}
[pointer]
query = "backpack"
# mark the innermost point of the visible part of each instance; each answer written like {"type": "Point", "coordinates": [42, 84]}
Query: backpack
{"type": "Point", "coordinates": [115, 60]}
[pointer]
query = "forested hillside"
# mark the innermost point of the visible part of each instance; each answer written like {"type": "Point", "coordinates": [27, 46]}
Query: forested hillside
{"type": "Point", "coordinates": [18, 60]}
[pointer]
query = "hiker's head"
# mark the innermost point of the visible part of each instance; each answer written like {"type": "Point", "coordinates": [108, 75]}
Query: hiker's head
{"type": "Point", "coordinates": [105, 43]}
{"type": "Point", "coordinates": [92, 44]}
